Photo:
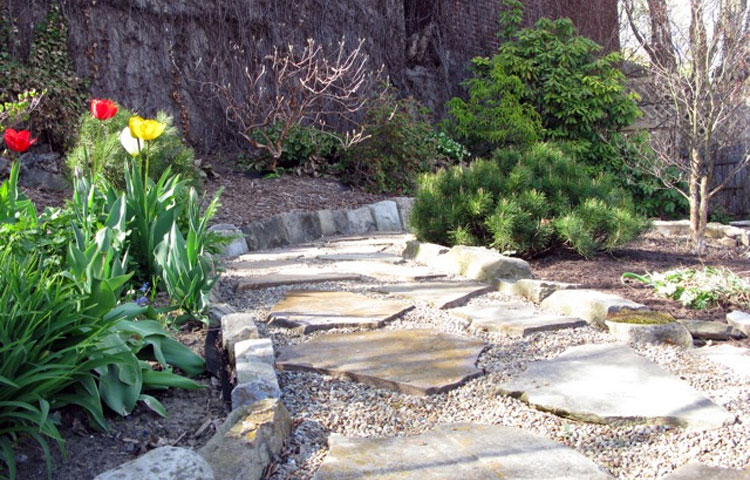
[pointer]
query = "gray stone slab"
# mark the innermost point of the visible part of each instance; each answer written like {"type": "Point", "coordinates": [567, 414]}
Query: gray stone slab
{"type": "Point", "coordinates": [333, 222]}
{"type": "Point", "coordinates": [389, 272]}
{"type": "Point", "coordinates": [739, 320]}
{"type": "Point", "coordinates": [310, 310]}
{"type": "Point", "coordinates": [668, 333]}
{"type": "Point", "coordinates": [591, 305]}
{"type": "Point", "coordinates": [417, 362]}
{"type": "Point", "coordinates": [515, 319]}
{"type": "Point", "coordinates": [440, 294]}
{"type": "Point", "coordinates": [405, 207]}
{"type": "Point", "coordinates": [386, 216]}
{"type": "Point", "coordinates": [671, 228]}
{"type": "Point", "coordinates": [697, 471]}
{"type": "Point", "coordinates": [266, 233]}
{"type": "Point", "coordinates": [301, 227]}
{"type": "Point", "coordinates": [611, 384]}
{"type": "Point", "coordinates": [361, 256]}
{"type": "Point", "coordinates": [532, 290]}
{"type": "Point", "coordinates": [482, 264]}
{"type": "Point", "coordinates": [163, 463]}
{"type": "Point", "coordinates": [236, 327]}
{"type": "Point", "coordinates": [734, 358]}
{"type": "Point", "coordinates": [254, 349]}
{"type": "Point", "coordinates": [711, 330]}
{"type": "Point", "coordinates": [424, 253]}
{"type": "Point", "coordinates": [360, 220]}
{"type": "Point", "coordinates": [275, 279]}
{"type": "Point", "coordinates": [459, 451]}
{"type": "Point", "coordinates": [248, 441]}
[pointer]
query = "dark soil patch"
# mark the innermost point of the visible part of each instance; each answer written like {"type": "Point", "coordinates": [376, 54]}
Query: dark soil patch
{"type": "Point", "coordinates": [652, 253]}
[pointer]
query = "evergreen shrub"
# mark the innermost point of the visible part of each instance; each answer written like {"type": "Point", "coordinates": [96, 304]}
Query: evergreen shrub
{"type": "Point", "coordinates": [528, 202]}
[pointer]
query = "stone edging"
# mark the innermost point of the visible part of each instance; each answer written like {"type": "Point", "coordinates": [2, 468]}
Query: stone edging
{"type": "Point", "coordinates": [736, 233]}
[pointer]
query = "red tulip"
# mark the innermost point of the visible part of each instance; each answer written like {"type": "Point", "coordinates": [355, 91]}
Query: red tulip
{"type": "Point", "coordinates": [103, 109]}
{"type": "Point", "coordinates": [18, 141]}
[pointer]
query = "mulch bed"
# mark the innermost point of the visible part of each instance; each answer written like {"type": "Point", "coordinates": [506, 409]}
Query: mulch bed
{"type": "Point", "coordinates": [651, 253]}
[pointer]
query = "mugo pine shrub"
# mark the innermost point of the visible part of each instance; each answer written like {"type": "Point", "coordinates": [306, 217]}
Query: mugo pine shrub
{"type": "Point", "coordinates": [526, 202]}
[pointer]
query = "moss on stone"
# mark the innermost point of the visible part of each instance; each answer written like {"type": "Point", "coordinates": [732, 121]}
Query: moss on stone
{"type": "Point", "coordinates": [641, 317]}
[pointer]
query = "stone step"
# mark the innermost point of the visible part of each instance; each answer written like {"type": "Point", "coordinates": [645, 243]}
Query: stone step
{"type": "Point", "coordinates": [611, 384]}
{"type": "Point", "coordinates": [734, 358]}
{"type": "Point", "coordinates": [311, 310]}
{"type": "Point", "coordinates": [359, 256]}
{"type": "Point", "coordinates": [696, 471]}
{"type": "Point", "coordinates": [711, 330]}
{"type": "Point", "coordinates": [417, 362]}
{"type": "Point", "coordinates": [439, 294]}
{"type": "Point", "coordinates": [387, 272]}
{"type": "Point", "coordinates": [275, 279]}
{"type": "Point", "coordinates": [458, 451]}
{"type": "Point", "coordinates": [515, 319]}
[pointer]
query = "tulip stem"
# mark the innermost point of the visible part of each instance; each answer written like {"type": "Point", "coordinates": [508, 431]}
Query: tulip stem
{"type": "Point", "coordinates": [148, 157]}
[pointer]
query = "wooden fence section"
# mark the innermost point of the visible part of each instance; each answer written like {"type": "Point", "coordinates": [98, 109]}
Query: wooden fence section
{"type": "Point", "coordinates": [735, 196]}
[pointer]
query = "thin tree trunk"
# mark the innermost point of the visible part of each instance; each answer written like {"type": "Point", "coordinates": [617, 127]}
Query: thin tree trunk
{"type": "Point", "coordinates": [695, 212]}
{"type": "Point", "coordinates": [700, 243]}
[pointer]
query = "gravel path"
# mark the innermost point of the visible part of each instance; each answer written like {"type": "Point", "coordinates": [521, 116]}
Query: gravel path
{"type": "Point", "coordinates": [320, 404]}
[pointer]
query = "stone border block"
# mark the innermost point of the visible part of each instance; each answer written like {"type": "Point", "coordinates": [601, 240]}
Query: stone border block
{"type": "Point", "coordinates": [360, 220]}
{"type": "Point", "coordinates": [254, 349]}
{"type": "Point", "coordinates": [483, 264]}
{"type": "Point", "coordinates": [333, 222]}
{"type": "Point", "coordinates": [673, 333]}
{"type": "Point", "coordinates": [386, 216]}
{"type": "Point", "coordinates": [236, 327]}
{"type": "Point", "coordinates": [300, 227]}
{"type": "Point", "coordinates": [266, 233]}
{"type": "Point", "coordinates": [405, 207]}
{"type": "Point", "coordinates": [162, 463]}
{"type": "Point", "coordinates": [424, 253]}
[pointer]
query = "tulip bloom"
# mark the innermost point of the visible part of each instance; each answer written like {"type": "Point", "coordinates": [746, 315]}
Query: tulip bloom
{"type": "Point", "coordinates": [103, 109]}
{"type": "Point", "coordinates": [129, 142]}
{"type": "Point", "coordinates": [18, 141]}
{"type": "Point", "coordinates": [145, 129]}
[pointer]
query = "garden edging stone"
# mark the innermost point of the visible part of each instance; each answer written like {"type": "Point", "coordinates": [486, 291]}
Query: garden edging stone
{"type": "Point", "coordinates": [163, 463]}
{"type": "Point", "coordinates": [673, 333]}
{"type": "Point", "coordinates": [739, 320]}
{"type": "Point", "coordinates": [591, 305]}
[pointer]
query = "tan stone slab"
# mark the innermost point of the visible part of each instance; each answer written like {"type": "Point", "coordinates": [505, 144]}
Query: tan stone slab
{"type": "Point", "coordinates": [275, 279]}
{"type": "Point", "coordinates": [514, 319]}
{"type": "Point", "coordinates": [387, 272]}
{"type": "Point", "coordinates": [248, 266]}
{"type": "Point", "coordinates": [360, 256]}
{"type": "Point", "coordinates": [458, 451]}
{"type": "Point", "coordinates": [439, 294]}
{"type": "Point", "coordinates": [417, 362]}
{"type": "Point", "coordinates": [697, 471]}
{"type": "Point", "coordinates": [311, 310]}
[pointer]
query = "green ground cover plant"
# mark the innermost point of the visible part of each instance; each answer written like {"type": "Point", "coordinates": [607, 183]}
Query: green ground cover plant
{"type": "Point", "coordinates": [699, 288]}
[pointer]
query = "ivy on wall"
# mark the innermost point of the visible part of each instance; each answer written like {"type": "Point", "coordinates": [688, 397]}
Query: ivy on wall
{"type": "Point", "coordinates": [48, 67]}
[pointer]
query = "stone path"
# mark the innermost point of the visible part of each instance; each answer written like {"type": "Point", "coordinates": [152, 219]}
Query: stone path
{"type": "Point", "coordinates": [374, 289]}
{"type": "Point", "coordinates": [456, 451]}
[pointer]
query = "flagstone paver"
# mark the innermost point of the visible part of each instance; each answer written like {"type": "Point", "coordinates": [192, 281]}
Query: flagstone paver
{"type": "Point", "coordinates": [456, 451]}
{"type": "Point", "coordinates": [388, 272]}
{"type": "Point", "coordinates": [418, 362]}
{"type": "Point", "coordinates": [275, 279]}
{"type": "Point", "coordinates": [440, 294]}
{"type": "Point", "coordinates": [355, 256]}
{"type": "Point", "coordinates": [515, 319]}
{"type": "Point", "coordinates": [696, 471]}
{"type": "Point", "coordinates": [311, 310]}
{"type": "Point", "coordinates": [612, 384]}
{"type": "Point", "coordinates": [735, 358]}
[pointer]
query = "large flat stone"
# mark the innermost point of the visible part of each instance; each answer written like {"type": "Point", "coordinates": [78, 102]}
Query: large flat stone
{"type": "Point", "coordinates": [673, 333]}
{"type": "Point", "coordinates": [532, 290]}
{"type": "Point", "coordinates": [697, 471]}
{"type": "Point", "coordinates": [424, 253]}
{"type": "Point", "coordinates": [591, 305]}
{"type": "Point", "coordinates": [739, 320]}
{"type": "Point", "coordinates": [711, 330]}
{"type": "Point", "coordinates": [248, 440]}
{"type": "Point", "coordinates": [734, 358]}
{"type": "Point", "coordinates": [514, 319]}
{"type": "Point", "coordinates": [418, 362]}
{"type": "Point", "coordinates": [275, 279]}
{"type": "Point", "coordinates": [459, 451]}
{"type": "Point", "coordinates": [361, 256]}
{"type": "Point", "coordinates": [163, 463]}
{"type": "Point", "coordinates": [360, 220]}
{"type": "Point", "coordinates": [482, 264]}
{"type": "Point", "coordinates": [389, 272]}
{"type": "Point", "coordinates": [439, 294]}
{"type": "Point", "coordinates": [611, 384]}
{"type": "Point", "coordinates": [311, 310]}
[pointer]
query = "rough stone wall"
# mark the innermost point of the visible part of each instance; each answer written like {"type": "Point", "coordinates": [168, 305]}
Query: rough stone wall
{"type": "Point", "coordinates": [162, 54]}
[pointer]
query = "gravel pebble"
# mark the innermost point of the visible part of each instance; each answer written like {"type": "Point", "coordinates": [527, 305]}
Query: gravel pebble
{"type": "Point", "coordinates": [320, 404]}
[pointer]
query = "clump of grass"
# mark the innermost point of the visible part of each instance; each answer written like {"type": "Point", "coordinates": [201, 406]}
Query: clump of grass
{"type": "Point", "coordinates": [639, 317]}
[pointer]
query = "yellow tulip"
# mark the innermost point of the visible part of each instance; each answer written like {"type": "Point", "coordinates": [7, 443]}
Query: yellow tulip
{"type": "Point", "coordinates": [145, 129]}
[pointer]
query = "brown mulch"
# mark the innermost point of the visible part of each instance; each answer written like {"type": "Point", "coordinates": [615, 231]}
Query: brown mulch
{"type": "Point", "coordinates": [651, 253]}
{"type": "Point", "coordinates": [247, 197]}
